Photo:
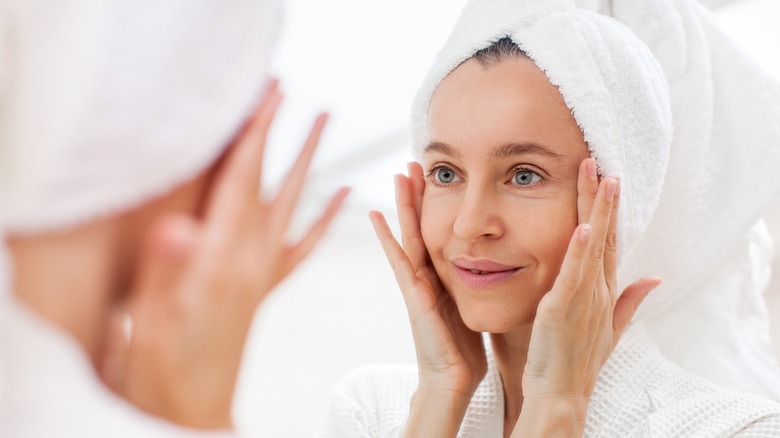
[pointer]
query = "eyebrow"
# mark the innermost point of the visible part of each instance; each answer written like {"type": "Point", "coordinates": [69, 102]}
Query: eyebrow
{"type": "Point", "coordinates": [506, 151]}
{"type": "Point", "coordinates": [528, 148]}
{"type": "Point", "coordinates": [442, 148]}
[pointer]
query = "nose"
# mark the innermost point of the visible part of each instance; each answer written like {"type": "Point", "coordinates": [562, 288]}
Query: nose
{"type": "Point", "coordinates": [478, 216]}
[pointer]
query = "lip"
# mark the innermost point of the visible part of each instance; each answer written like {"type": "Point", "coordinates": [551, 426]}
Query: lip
{"type": "Point", "coordinates": [493, 273]}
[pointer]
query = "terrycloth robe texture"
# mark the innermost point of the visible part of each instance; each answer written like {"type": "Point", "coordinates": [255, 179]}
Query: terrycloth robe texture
{"type": "Point", "coordinates": [668, 103]}
{"type": "Point", "coordinates": [638, 394]}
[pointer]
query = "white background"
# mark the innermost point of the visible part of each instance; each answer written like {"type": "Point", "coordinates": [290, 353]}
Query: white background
{"type": "Point", "coordinates": [362, 61]}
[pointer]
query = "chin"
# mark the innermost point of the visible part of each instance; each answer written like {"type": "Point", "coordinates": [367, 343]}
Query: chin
{"type": "Point", "coordinates": [496, 317]}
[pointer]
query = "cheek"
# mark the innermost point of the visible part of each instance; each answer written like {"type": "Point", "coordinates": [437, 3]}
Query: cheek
{"type": "Point", "coordinates": [546, 236]}
{"type": "Point", "coordinates": [436, 219]}
{"type": "Point", "coordinates": [554, 242]}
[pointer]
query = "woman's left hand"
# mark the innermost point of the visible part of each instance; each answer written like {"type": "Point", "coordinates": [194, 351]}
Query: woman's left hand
{"type": "Point", "coordinates": [579, 322]}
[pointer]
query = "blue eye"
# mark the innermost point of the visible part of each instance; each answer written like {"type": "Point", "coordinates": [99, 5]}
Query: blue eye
{"type": "Point", "coordinates": [526, 177]}
{"type": "Point", "coordinates": [444, 175]}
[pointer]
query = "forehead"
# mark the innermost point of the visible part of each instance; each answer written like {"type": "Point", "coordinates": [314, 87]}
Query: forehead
{"type": "Point", "coordinates": [478, 109]}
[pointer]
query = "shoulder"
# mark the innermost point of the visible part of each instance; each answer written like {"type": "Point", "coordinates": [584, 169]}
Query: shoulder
{"type": "Point", "coordinates": [681, 403]}
{"type": "Point", "coordinates": [640, 393]}
{"type": "Point", "coordinates": [766, 426]}
{"type": "Point", "coordinates": [371, 401]}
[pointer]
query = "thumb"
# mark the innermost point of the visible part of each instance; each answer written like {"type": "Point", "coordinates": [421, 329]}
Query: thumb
{"type": "Point", "coordinates": [112, 358]}
{"type": "Point", "coordinates": [629, 302]}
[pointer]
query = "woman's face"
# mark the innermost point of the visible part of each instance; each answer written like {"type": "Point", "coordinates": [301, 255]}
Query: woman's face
{"type": "Point", "coordinates": [500, 202]}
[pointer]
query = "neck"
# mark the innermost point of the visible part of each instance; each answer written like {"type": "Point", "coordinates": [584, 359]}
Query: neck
{"type": "Point", "coordinates": [510, 351]}
{"type": "Point", "coordinates": [68, 278]}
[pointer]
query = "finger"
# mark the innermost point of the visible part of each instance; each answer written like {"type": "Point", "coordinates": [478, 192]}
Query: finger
{"type": "Point", "coordinates": [418, 186]}
{"type": "Point", "coordinates": [238, 179]}
{"type": "Point", "coordinates": [410, 225]}
{"type": "Point", "coordinates": [287, 198]}
{"type": "Point", "coordinates": [629, 302]}
{"type": "Point", "coordinates": [405, 274]}
{"type": "Point", "coordinates": [599, 221]}
{"type": "Point", "coordinates": [256, 138]}
{"type": "Point", "coordinates": [568, 281]}
{"type": "Point", "coordinates": [587, 188]}
{"type": "Point", "coordinates": [112, 361]}
{"type": "Point", "coordinates": [611, 247]}
{"type": "Point", "coordinates": [317, 231]}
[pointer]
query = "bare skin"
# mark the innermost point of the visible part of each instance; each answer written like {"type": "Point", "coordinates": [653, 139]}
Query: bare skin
{"type": "Point", "coordinates": [507, 229]}
{"type": "Point", "coordinates": [190, 268]}
{"type": "Point", "coordinates": [86, 266]}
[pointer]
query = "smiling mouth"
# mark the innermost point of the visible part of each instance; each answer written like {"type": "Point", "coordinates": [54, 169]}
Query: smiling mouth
{"type": "Point", "coordinates": [483, 274]}
{"type": "Point", "coordinates": [480, 272]}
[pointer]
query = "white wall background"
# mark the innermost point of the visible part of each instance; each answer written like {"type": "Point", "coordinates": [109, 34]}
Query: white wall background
{"type": "Point", "coordinates": [362, 61]}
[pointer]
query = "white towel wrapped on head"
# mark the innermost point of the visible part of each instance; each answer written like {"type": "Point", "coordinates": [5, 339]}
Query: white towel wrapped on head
{"type": "Point", "coordinates": [616, 91]}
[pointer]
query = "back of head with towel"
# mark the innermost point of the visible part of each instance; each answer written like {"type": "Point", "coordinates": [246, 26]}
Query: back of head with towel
{"type": "Point", "coordinates": [129, 181]}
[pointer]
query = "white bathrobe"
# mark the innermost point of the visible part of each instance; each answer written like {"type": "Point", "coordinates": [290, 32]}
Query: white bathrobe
{"type": "Point", "coordinates": [638, 394]}
{"type": "Point", "coordinates": [48, 388]}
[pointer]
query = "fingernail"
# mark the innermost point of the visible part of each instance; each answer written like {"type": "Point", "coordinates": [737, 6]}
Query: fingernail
{"type": "Point", "coordinates": [658, 282]}
{"type": "Point", "coordinates": [611, 187]}
{"type": "Point", "coordinates": [585, 233]}
{"type": "Point", "coordinates": [591, 166]}
{"type": "Point", "coordinates": [276, 97]}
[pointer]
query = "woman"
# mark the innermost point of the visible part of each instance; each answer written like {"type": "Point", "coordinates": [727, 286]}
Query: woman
{"type": "Point", "coordinates": [132, 148]}
{"type": "Point", "coordinates": [519, 98]}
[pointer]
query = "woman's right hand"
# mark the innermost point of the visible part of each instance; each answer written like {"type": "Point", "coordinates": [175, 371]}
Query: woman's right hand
{"type": "Point", "coordinates": [451, 357]}
{"type": "Point", "coordinates": [201, 278]}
